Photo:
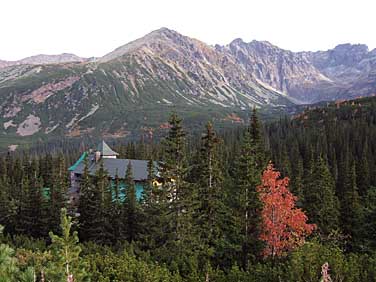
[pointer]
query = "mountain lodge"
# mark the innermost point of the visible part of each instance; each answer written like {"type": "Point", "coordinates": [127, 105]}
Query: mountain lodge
{"type": "Point", "coordinates": [113, 166]}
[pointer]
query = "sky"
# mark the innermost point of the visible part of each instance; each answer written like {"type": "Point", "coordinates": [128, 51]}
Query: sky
{"type": "Point", "coordinates": [90, 28]}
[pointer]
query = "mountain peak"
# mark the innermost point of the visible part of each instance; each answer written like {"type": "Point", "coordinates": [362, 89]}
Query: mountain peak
{"type": "Point", "coordinates": [162, 34]}
{"type": "Point", "coordinates": [255, 44]}
{"type": "Point", "coordinates": [43, 59]}
{"type": "Point", "coordinates": [237, 41]}
{"type": "Point", "coordinates": [352, 47]}
{"type": "Point", "coordinates": [163, 30]}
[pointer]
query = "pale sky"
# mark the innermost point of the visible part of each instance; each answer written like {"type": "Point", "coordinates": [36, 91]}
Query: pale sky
{"type": "Point", "coordinates": [95, 27]}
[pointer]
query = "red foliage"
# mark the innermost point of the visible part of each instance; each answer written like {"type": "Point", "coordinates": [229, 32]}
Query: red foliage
{"type": "Point", "coordinates": [284, 226]}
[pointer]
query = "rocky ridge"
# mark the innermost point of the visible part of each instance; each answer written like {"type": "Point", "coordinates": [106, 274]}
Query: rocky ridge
{"type": "Point", "coordinates": [134, 87]}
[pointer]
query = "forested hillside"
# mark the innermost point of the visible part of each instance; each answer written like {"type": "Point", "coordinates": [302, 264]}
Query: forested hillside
{"type": "Point", "coordinates": [228, 214]}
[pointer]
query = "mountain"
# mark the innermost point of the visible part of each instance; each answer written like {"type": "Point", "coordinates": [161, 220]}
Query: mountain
{"type": "Point", "coordinates": [345, 72]}
{"type": "Point", "coordinates": [43, 60]}
{"type": "Point", "coordinates": [353, 67]}
{"type": "Point", "coordinates": [131, 90]}
{"type": "Point", "coordinates": [286, 71]}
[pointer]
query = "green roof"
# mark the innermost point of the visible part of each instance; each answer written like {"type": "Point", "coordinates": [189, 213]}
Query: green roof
{"type": "Point", "coordinates": [105, 149]}
{"type": "Point", "coordinates": [73, 167]}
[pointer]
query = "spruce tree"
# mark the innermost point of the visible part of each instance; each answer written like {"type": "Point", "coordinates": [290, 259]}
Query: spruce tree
{"type": "Point", "coordinates": [103, 232]}
{"type": "Point", "coordinates": [8, 208]}
{"type": "Point", "coordinates": [176, 199]}
{"type": "Point", "coordinates": [350, 207]}
{"type": "Point", "coordinates": [297, 181]}
{"type": "Point", "coordinates": [58, 190]}
{"type": "Point", "coordinates": [321, 203]}
{"type": "Point", "coordinates": [174, 170]}
{"type": "Point", "coordinates": [247, 202]}
{"type": "Point", "coordinates": [36, 208]}
{"type": "Point", "coordinates": [95, 206]}
{"type": "Point", "coordinates": [212, 212]}
{"type": "Point", "coordinates": [66, 264]}
{"type": "Point", "coordinates": [363, 172]}
{"type": "Point", "coordinates": [116, 211]}
{"type": "Point", "coordinates": [131, 208]}
{"type": "Point", "coordinates": [23, 208]}
{"type": "Point", "coordinates": [154, 206]}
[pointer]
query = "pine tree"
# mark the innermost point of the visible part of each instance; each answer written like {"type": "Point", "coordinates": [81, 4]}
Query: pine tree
{"type": "Point", "coordinates": [66, 262]}
{"type": "Point", "coordinates": [95, 206]}
{"type": "Point", "coordinates": [363, 172]}
{"type": "Point", "coordinates": [174, 170]}
{"type": "Point", "coordinates": [57, 192]}
{"type": "Point", "coordinates": [297, 181]}
{"type": "Point", "coordinates": [257, 140]}
{"type": "Point", "coordinates": [212, 212]}
{"type": "Point", "coordinates": [343, 172]}
{"type": "Point", "coordinates": [23, 208]}
{"type": "Point", "coordinates": [247, 204]}
{"type": "Point", "coordinates": [350, 207]}
{"type": "Point", "coordinates": [8, 207]}
{"type": "Point", "coordinates": [116, 210]}
{"type": "Point", "coordinates": [131, 211]}
{"type": "Point", "coordinates": [87, 204]}
{"type": "Point", "coordinates": [103, 198]}
{"type": "Point", "coordinates": [36, 208]}
{"type": "Point", "coordinates": [176, 199]}
{"type": "Point", "coordinates": [154, 207]}
{"type": "Point", "coordinates": [321, 203]}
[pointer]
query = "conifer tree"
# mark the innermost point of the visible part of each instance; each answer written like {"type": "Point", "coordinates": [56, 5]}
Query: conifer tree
{"type": "Point", "coordinates": [174, 170]}
{"type": "Point", "coordinates": [131, 209]}
{"type": "Point", "coordinates": [85, 205]}
{"type": "Point", "coordinates": [23, 208]}
{"type": "Point", "coordinates": [7, 203]}
{"type": "Point", "coordinates": [343, 172]}
{"type": "Point", "coordinates": [66, 264]}
{"type": "Point", "coordinates": [350, 207]}
{"type": "Point", "coordinates": [257, 140]}
{"type": "Point", "coordinates": [176, 199]}
{"type": "Point", "coordinates": [116, 210]}
{"type": "Point", "coordinates": [297, 181]}
{"type": "Point", "coordinates": [154, 207]}
{"type": "Point", "coordinates": [102, 228]}
{"type": "Point", "coordinates": [248, 205]}
{"type": "Point", "coordinates": [212, 212]}
{"type": "Point", "coordinates": [363, 172]}
{"type": "Point", "coordinates": [36, 208]}
{"type": "Point", "coordinates": [321, 203]}
{"type": "Point", "coordinates": [57, 192]}
{"type": "Point", "coordinates": [89, 205]}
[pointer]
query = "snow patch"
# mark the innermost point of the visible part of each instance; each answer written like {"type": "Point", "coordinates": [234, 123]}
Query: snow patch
{"type": "Point", "coordinates": [167, 101]}
{"type": "Point", "coordinates": [74, 119]}
{"type": "Point", "coordinates": [91, 112]}
{"type": "Point", "coordinates": [50, 129]}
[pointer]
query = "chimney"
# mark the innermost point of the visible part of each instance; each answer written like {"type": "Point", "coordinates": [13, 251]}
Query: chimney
{"type": "Point", "coordinates": [97, 156]}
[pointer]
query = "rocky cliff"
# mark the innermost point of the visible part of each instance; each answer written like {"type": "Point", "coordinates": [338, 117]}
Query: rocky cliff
{"type": "Point", "coordinates": [134, 87]}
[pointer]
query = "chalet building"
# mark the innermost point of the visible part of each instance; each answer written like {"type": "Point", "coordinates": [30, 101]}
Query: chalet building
{"type": "Point", "coordinates": [113, 166]}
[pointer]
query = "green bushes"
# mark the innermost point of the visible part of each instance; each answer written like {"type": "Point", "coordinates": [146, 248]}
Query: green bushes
{"type": "Point", "coordinates": [126, 267]}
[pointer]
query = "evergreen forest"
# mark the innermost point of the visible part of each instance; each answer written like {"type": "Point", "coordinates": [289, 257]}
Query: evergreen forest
{"type": "Point", "coordinates": [287, 200]}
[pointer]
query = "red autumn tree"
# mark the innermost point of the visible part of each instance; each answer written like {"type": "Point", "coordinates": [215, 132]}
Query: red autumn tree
{"type": "Point", "coordinates": [284, 226]}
